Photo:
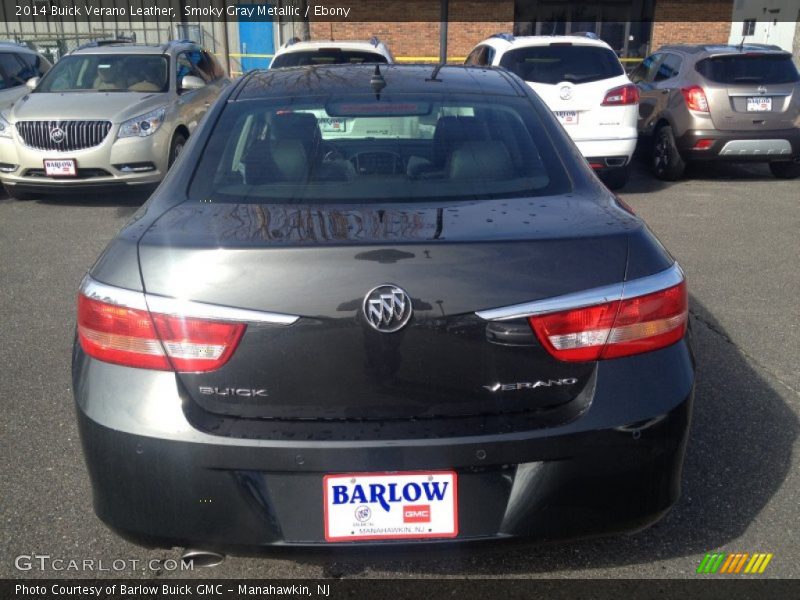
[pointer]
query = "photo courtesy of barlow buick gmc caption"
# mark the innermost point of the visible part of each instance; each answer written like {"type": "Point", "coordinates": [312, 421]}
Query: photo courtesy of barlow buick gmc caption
{"type": "Point", "coordinates": [400, 299]}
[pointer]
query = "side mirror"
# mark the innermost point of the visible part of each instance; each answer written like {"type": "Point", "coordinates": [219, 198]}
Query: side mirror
{"type": "Point", "coordinates": [191, 82]}
{"type": "Point", "coordinates": [33, 82]}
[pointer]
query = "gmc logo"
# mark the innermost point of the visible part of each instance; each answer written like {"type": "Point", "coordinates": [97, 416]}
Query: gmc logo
{"type": "Point", "coordinates": [417, 513]}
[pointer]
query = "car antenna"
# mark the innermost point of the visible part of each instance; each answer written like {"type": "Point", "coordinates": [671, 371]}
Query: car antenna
{"type": "Point", "coordinates": [435, 73]}
{"type": "Point", "coordinates": [377, 82]}
{"type": "Point", "coordinates": [741, 44]}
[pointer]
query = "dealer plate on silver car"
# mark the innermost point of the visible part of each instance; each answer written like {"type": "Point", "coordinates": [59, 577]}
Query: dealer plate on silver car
{"type": "Point", "coordinates": [60, 168]}
{"type": "Point", "coordinates": [390, 506]}
{"type": "Point", "coordinates": [759, 104]}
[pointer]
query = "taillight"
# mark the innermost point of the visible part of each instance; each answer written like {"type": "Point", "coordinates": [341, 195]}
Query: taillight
{"type": "Point", "coordinates": [625, 94]}
{"type": "Point", "coordinates": [615, 329]}
{"type": "Point", "coordinates": [695, 98]}
{"type": "Point", "coordinates": [135, 337]}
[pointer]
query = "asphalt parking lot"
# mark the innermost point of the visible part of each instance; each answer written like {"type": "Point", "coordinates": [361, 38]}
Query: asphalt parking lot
{"type": "Point", "coordinates": [733, 228]}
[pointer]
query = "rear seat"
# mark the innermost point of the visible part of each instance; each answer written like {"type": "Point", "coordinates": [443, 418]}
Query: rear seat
{"type": "Point", "coordinates": [449, 134]}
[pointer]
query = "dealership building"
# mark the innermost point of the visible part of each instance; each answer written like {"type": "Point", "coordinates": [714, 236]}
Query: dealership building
{"type": "Point", "coordinates": [632, 27]}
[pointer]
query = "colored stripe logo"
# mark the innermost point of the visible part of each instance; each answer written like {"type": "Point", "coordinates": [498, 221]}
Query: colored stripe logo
{"type": "Point", "coordinates": [735, 563]}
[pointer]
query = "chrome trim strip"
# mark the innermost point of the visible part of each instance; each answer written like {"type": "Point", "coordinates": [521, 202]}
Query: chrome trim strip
{"type": "Point", "coordinates": [111, 294]}
{"type": "Point", "coordinates": [216, 312]}
{"type": "Point", "coordinates": [609, 293]}
{"type": "Point", "coordinates": [757, 94]}
{"type": "Point", "coordinates": [175, 306]}
{"type": "Point", "coordinates": [599, 295]}
{"type": "Point", "coordinates": [653, 283]}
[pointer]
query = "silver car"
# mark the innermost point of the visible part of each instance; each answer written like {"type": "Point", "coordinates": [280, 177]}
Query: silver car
{"type": "Point", "coordinates": [708, 103]}
{"type": "Point", "coordinates": [108, 115]}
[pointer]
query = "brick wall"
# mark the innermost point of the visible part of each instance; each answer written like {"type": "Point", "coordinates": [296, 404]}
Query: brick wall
{"type": "Point", "coordinates": [691, 22]}
{"type": "Point", "coordinates": [676, 21]}
{"type": "Point", "coordinates": [420, 39]}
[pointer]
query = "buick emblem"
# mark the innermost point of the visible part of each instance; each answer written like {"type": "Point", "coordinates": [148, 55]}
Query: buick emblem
{"type": "Point", "coordinates": [762, 89]}
{"type": "Point", "coordinates": [387, 308]}
{"type": "Point", "coordinates": [57, 135]}
{"type": "Point", "coordinates": [565, 93]}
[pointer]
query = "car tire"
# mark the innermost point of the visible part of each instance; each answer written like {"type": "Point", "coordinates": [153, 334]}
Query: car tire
{"type": "Point", "coordinates": [12, 193]}
{"type": "Point", "coordinates": [616, 179]}
{"type": "Point", "coordinates": [176, 147]}
{"type": "Point", "coordinates": [785, 170]}
{"type": "Point", "coordinates": [668, 165]}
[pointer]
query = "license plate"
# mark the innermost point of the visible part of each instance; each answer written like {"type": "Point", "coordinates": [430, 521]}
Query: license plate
{"type": "Point", "coordinates": [390, 506]}
{"type": "Point", "coordinates": [759, 104]}
{"type": "Point", "coordinates": [567, 117]}
{"type": "Point", "coordinates": [60, 168]}
{"type": "Point", "coordinates": [328, 125]}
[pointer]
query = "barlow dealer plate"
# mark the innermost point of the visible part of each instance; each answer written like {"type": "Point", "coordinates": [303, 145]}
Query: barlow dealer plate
{"type": "Point", "coordinates": [332, 125]}
{"type": "Point", "coordinates": [567, 117]}
{"type": "Point", "coordinates": [390, 506]}
{"type": "Point", "coordinates": [60, 168]}
{"type": "Point", "coordinates": [759, 104]}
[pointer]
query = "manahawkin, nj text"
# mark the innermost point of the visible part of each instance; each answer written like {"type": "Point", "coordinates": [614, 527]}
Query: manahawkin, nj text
{"type": "Point", "coordinates": [249, 12]}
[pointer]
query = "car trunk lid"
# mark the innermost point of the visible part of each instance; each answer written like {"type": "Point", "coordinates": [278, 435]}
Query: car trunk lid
{"type": "Point", "coordinates": [320, 262]}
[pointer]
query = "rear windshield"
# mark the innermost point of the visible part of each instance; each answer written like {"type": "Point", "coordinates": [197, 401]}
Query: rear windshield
{"type": "Point", "coordinates": [357, 148]}
{"type": "Point", "coordinates": [109, 73]}
{"type": "Point", "coordinates": [556, 63]}
{"type": "Point", "coordinates": [323, 56]}
{"type": "Point", "coordinates": [755, 68]}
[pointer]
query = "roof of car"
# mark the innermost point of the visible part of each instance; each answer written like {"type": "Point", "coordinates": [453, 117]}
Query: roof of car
{"type": "Point", "coordinates": [121, 47]}
{"type": "Point", "coordinates": [329, 79]}
{"type": "Point", "coordinates": [511, 41]}
{"type": "Point", "coordinates": [350, 44]}
{"type": "Point", "coordinates": [15, 47]}
{"type": "Point", "coordinates": [708, 49]}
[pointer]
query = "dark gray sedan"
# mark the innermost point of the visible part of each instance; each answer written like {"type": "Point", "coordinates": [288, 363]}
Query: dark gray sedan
{"type": "Point", "coordinates": [381, 305]}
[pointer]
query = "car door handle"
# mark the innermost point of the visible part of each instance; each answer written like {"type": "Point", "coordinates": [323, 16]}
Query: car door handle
{"type": "Point", "coordinates": [665, 91]}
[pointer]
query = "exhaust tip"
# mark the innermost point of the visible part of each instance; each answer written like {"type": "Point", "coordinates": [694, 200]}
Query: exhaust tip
{"type": "Point", "coordinates": [201, 558]}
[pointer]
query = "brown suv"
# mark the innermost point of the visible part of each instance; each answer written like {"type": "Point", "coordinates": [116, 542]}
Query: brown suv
{"type": "Point", "coordinates": [736, 103]}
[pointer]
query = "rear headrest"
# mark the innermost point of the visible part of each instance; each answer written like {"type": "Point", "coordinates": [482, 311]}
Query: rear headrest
{"type": "Point", "coordinates": [276, 161]}
{"type": "Point", "coordinates": [302, 127]}
{"type": "Point", "coordinates": [294, 126]}
{"type": "Point", "coordinates": [487, 160]}
{"type": "Point", "coordinates": [452, 131]}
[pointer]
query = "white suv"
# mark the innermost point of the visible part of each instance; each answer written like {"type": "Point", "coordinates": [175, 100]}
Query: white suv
{"type": "Point", "coordinates": [295, 53]}
{"type": "Point", "coordinates": [582, 81]}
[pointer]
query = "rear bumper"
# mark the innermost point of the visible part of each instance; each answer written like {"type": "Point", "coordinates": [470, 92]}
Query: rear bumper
{"type": "Point", "coordinates": [159, 482]}
{"type": "Point", "coordinates": [758, 146]}
{"type": "Point", "coordinates": [608, 148]}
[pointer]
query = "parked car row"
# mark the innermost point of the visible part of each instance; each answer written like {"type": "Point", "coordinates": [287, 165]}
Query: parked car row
{"type": "Point", "coordinates": [118, 114]}
{"type": "Point", "coordinates": [683, 103]}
